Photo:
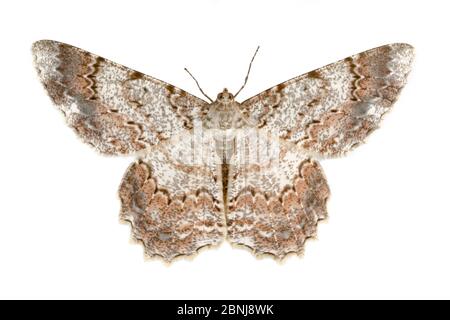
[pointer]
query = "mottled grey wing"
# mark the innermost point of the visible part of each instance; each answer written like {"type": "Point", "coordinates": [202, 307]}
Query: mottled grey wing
{"type": "Point", "coordinates": [275, 198]}
{"type": "Point", "coordinates": [331, 110]}
{"type": "Point", "coordinates": [115, 109]}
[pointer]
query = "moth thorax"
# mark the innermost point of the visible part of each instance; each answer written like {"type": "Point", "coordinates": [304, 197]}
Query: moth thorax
{"type": "Point", "coordinates": [226, 119]}
{"type": "Point", "coordinates": [224, 116]}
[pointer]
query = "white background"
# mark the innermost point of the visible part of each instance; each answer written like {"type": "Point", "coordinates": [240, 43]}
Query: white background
{"type": "Point", "coordinates": [388, 234]}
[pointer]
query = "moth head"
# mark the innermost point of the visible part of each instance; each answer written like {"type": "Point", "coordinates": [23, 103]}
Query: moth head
{"type": "Point", "coordinates": [225, 97]}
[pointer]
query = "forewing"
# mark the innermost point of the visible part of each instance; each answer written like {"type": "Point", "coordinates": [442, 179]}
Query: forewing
{"type": "Point", "coordinates": [115, 109]}
{"type": "Point", "coordinates": [331, 110]}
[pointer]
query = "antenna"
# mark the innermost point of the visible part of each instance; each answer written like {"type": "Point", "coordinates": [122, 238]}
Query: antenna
{"type": "Point", "coordinates": [198, 85]}
{"type": "Point", "coordinates": [248, 72]}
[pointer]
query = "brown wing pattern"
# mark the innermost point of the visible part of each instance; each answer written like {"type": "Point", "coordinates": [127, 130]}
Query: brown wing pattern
{"type": "Point", "coordinates": [170, 223]}
{"type": "Point", "coordinates": [331, 110]}
{"type": "Point", "coordinates": [277, 196]}
{"type": "Point", "coordinates": [113, 108]}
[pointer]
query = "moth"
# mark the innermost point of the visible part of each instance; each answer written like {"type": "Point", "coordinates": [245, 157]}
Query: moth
{"type": "Point", "coordinates": [209, 170]}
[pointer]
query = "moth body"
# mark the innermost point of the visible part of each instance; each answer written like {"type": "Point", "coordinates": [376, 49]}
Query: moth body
{"type": "Point", "coordinates": [225, 120]}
